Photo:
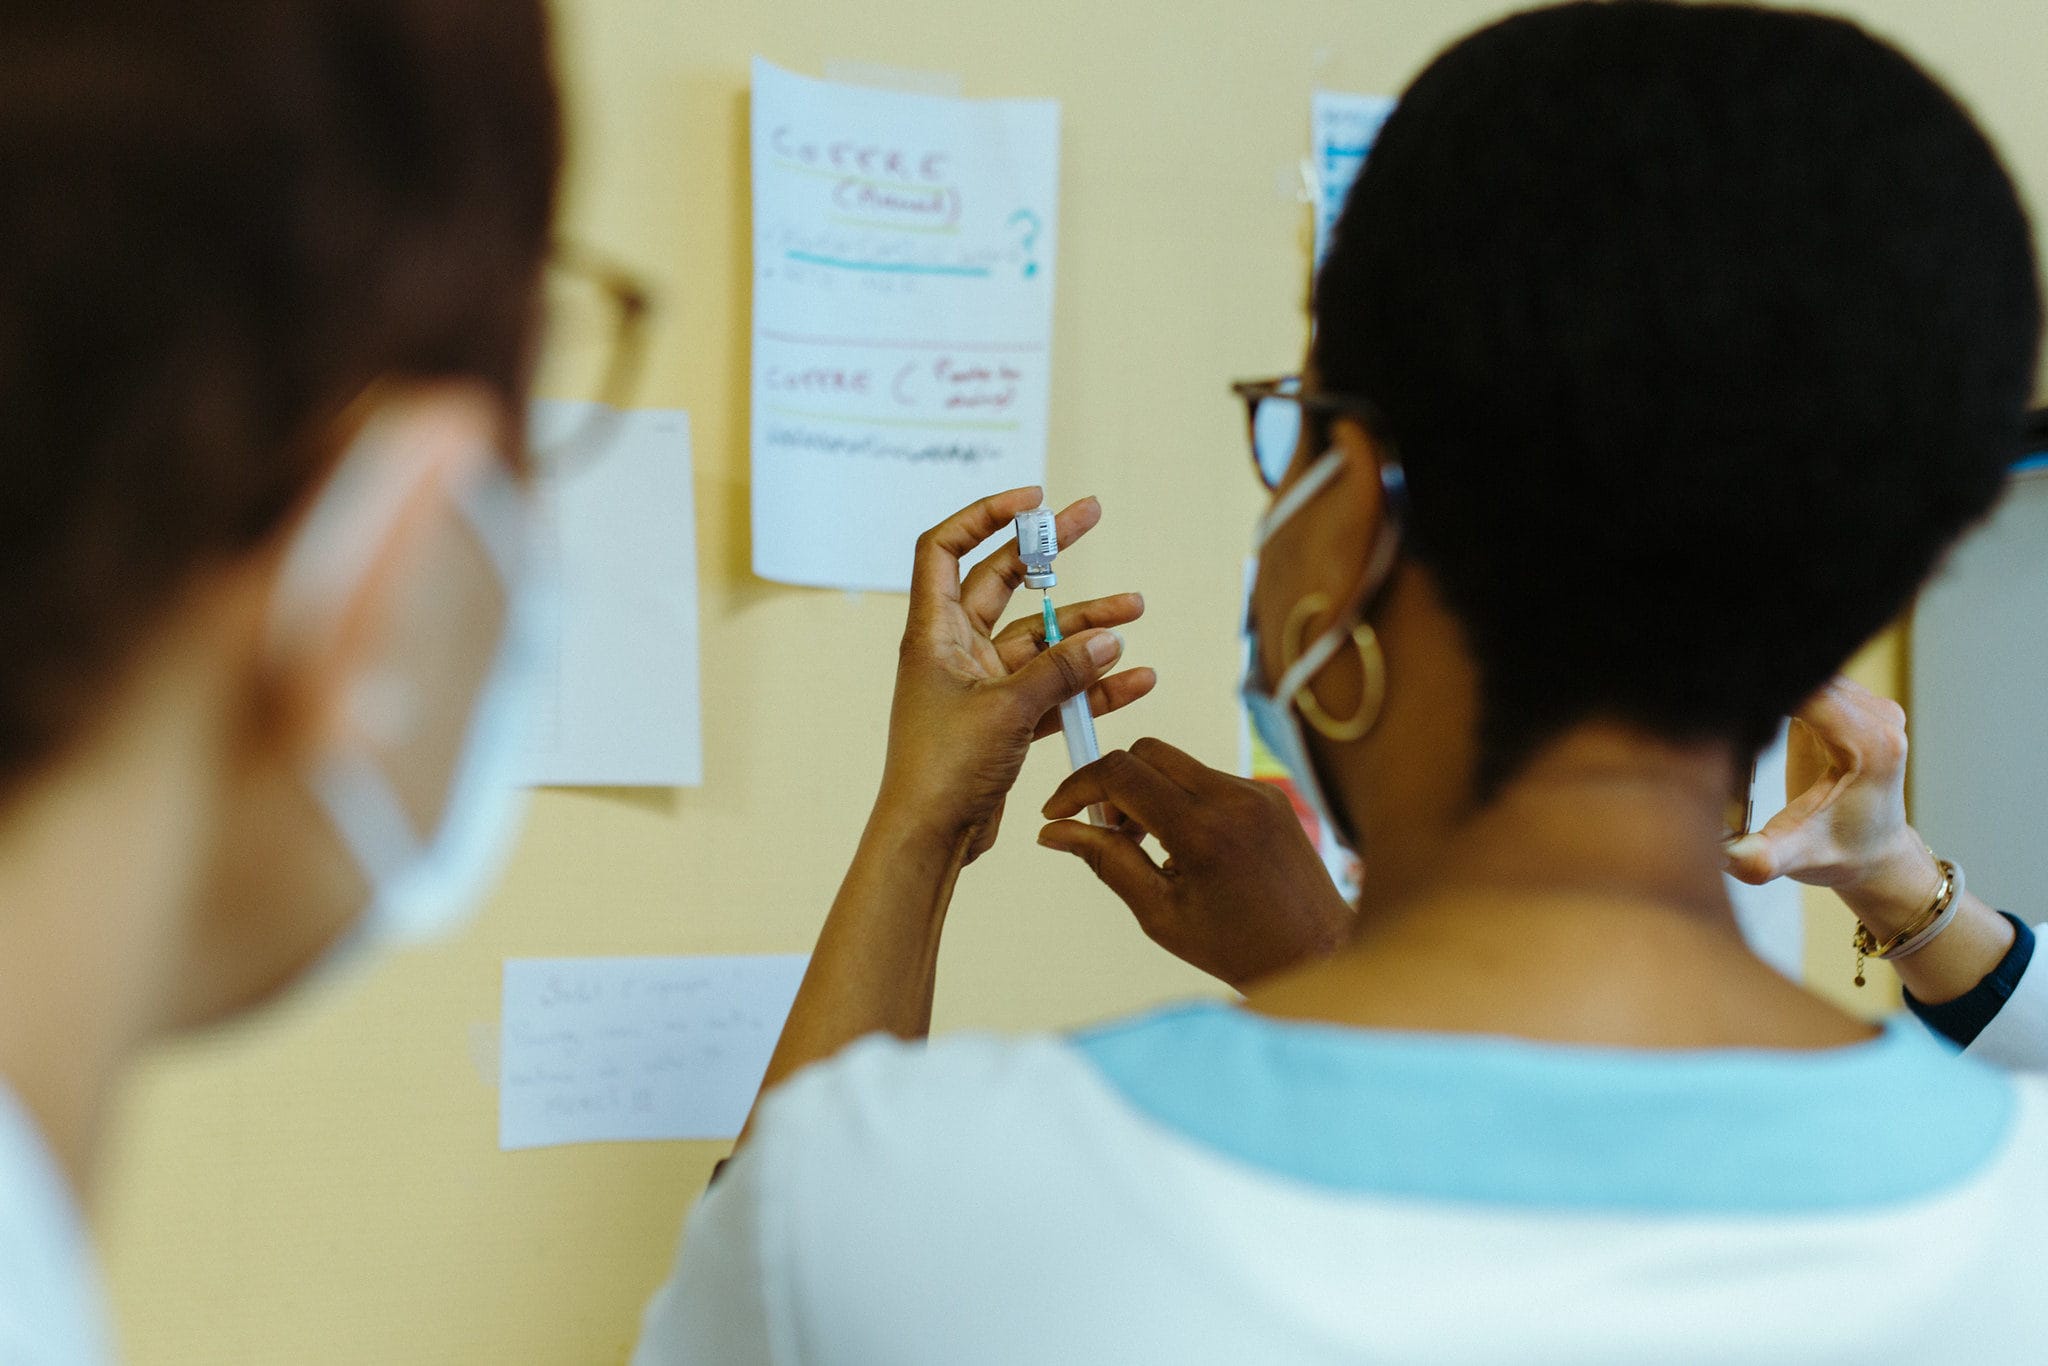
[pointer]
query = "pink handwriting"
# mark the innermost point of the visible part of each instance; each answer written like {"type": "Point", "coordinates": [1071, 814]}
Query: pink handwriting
{"type": "Point", "coordinates": [955, 386]}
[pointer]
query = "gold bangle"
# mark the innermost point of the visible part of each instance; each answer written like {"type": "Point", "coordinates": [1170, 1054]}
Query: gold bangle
{"type": "Point", "coordinates": [1868, 945]}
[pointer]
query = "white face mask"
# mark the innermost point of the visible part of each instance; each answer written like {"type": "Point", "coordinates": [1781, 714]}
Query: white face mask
{"type": "Point", "coordinates": [1274, 715]}
{"type": "Point", "coordinates": [426, 884]}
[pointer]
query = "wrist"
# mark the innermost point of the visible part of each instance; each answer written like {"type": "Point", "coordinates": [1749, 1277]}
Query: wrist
{"type": "Point", "coordinates": [1956, 963]}
{"type": "Point", "coordinates": [1895, 888]}
{"type": "Point", "coordinates": [904, 821]}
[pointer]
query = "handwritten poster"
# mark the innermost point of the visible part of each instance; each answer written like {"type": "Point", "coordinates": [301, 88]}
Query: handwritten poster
{"type": "Point", "coordinates": [618, 696]}
{"type": "Point", "coordinates": [1344, 127]}
{"type": "Point", "coordinates": [904, 247]}
{"type": "Point", "coordinates": [596, 1050]}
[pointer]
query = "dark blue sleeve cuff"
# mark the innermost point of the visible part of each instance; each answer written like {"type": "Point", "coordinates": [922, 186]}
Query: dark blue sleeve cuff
{"type": "Point", "coordinates": [1964, 1018]}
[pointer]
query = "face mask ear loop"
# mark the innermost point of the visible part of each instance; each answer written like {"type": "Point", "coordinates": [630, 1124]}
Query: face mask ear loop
{"type": "Point", "coordinates": [327, 556]}
{"type": "Point", "coordinates": [1309, 665]}
{"type": "Point", "coordinates": [358, 799]}
{"type": "Point", "coordinates": [1386, 546]}
{"type": "Point", "coordinates": [496, 511]}
{"type": "Point", "coordinates": [319, 572]}
{"type": "Point", "coordinates": [1326, 468]}
{"type": "Point", "coordinates": [366, 813]}
{"type": "Point", "coordinates": [1380, 568]}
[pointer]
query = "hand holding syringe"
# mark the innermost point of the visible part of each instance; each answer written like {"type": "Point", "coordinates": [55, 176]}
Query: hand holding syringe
{"type": "Point", "coordinates": [1037, 544]}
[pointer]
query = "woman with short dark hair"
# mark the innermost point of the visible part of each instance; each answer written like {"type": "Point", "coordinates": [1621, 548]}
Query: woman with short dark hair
{"type": "Point", "coordinates": [1632, 303]}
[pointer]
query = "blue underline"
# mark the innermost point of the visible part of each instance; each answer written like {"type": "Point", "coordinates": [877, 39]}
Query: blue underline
{"type": "Point", "coordinates": [887, 267]}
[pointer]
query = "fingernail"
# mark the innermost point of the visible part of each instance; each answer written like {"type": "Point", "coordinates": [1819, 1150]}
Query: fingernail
{"type": "Point", "coordinates": [1105, 647]}
{"type": "Point", "coordinates": [1139, 598]}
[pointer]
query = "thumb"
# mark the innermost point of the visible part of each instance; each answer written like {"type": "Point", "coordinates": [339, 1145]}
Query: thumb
{"type": "Point", "coordinates": [1751, 859]}
{"type": "Point", "coordinates": [1065, 670]}
{"type": "Point", "coordinates": [1787, 845]}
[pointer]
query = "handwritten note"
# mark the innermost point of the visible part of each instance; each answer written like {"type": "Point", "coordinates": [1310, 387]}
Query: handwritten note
{"type": "Point", "coordinates": [903, 281]}
{"type": "Point", "coordinates": [618, 703]}
{"type": "Point", "coordinates": [1344, 128]}
{"type": "Point", "coordinates": [594, 1050]}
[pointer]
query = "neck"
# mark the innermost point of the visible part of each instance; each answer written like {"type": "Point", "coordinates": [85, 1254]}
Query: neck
{"type": "Point", "coordinates": [1585, 903]}
{"type": "Point", "coordinates": [96, 855]}
{"type": "Point", "coordinates": [1604, 813]}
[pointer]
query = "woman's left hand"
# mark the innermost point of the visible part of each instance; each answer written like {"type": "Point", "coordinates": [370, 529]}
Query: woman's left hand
{"type": "Point", "coordinates": [969, 698]}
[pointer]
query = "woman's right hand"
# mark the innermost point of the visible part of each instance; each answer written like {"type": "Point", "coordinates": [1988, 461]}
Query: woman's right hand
{"type": "Point", "coordinates": [1845, 827]}
{"type": "Point", "coordinates": [1844, 823]}
{"type": "Point", "coordinates": [1242, 894]}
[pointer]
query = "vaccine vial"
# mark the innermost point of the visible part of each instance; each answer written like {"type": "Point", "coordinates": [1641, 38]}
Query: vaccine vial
{"type": "Point", "coordinates": [1038, 540]}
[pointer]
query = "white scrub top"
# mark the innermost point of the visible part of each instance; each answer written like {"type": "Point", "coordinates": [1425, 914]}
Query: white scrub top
{"type": "Point", "coordinates": [2016, 1036]}
{"type": "Point", "coordinates": [52, 1312]}
{"type": "Point", "coordinates": [1206, 1185]}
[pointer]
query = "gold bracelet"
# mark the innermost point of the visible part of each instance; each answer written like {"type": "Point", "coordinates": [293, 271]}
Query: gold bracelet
{"type": "Point", "coordinates": [1868, 945]}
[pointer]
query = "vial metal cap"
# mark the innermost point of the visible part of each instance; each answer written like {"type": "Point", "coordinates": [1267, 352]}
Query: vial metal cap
{"type": "Point", "coordinates": [1037, 542]}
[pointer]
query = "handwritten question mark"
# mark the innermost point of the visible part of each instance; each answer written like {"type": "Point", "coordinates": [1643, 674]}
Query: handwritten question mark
{"type": "Point", "coordinates": [1033, 225]}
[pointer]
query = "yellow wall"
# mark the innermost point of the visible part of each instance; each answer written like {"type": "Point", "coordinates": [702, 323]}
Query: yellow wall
{"type": "Point", "coordinates": [323, 1186]}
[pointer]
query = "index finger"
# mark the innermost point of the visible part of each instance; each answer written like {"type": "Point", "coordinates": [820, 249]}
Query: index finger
{"type": "Point", "coordinates": [988, 586]}
{"type": "Point", "coordinates": [1849, 719]}
{"type": "Point", "coordinates": [1125, 782]}
{"type": "Point", "coordinates": [1178, 765]}
{"type": "Point", "coordinates": [936, 571]}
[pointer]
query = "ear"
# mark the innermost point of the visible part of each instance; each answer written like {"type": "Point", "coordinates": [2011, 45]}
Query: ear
{"type": "Point", "coordinates": [342, 561]}
{"type": "Point", "coordinates": [1352, 535]}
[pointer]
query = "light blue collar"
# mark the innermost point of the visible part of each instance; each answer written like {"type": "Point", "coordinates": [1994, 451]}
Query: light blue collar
{"type": "Point", "coordinates": [50, 1292]}
{"type": "Point", "coordinates": [1495, 1121]}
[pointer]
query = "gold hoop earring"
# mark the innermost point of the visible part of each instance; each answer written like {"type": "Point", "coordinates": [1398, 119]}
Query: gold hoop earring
{"type": "Point", "coordinates": [1372, 663]}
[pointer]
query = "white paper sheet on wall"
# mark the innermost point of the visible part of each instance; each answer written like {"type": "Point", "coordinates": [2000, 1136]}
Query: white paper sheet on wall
{"type": "Point", "coordinates": [904, 249]}
{"type": "Point", "coordinates": [618, 700]}
{"type": "Point", "coordinates": [1342, 129]}
{"type": "Point", "coordinates": [596, 1050]}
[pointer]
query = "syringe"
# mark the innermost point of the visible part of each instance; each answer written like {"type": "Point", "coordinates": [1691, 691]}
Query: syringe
{"type": "Point", "coordinates": [1037, 543]}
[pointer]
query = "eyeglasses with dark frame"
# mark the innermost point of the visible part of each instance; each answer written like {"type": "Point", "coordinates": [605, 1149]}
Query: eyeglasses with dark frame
{"type": "Point", "coordinates": [625, 303]}
{"type": "Point", "coordinates": [1278, 415]}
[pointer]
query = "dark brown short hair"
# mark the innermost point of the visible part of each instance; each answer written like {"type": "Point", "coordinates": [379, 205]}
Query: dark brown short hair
{"type": "Point", "coordinates": [220, 222]}
{"type": "Point", "coordinates": [1703, 331]}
